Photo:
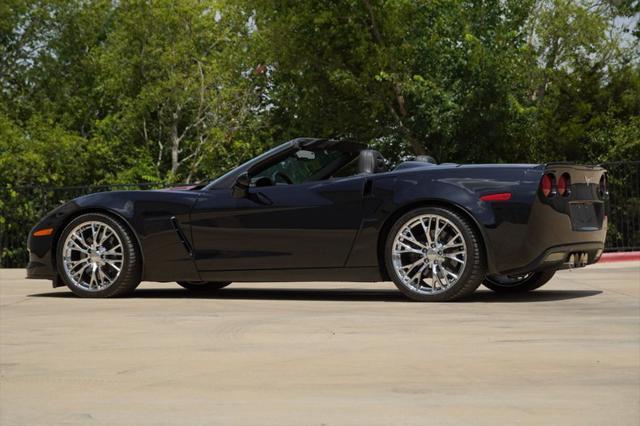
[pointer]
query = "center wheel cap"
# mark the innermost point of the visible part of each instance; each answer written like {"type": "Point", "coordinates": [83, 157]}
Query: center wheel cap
{"type": "Point", "coordinates": [432, 255]}
{"type": "Point", "coordinates": [95, 257]}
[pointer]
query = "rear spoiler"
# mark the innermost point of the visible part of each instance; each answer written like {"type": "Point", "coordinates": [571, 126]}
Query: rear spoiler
{"type": "Point", "coordinates": [574, 166]}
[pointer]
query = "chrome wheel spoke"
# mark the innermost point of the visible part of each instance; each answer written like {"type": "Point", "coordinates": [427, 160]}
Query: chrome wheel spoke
{"type": "Point", "coordinates": [93, 279]}
{"type": "Point", "coordinates": [452, 242]}
{"type": "Point", "coordinates": [451, 274]}
{"type": "Point", "coordinates": [103, 278]}
{"type": "Point", "coordinates": [445, 279]}
{"type": "Point", "coordinates": [115, 250]}
{"type": "Point", "coordinates": [452, 257]}
{"type": "Point", "coordinates": [79, 239]}
{"type": "Point", "coordinates": [404, 248]}
{"type": "Point", "coordinates": [409, 267]}
{"type": "Point", "coordinates": [81, 271]}
{"type": "Point", "coordinates": [73, 267]}
{"type": "Point", "coordinates": [416, 279]}
{"type": "Point", "coordinates": [76, 246]}
{"type": "Point", "coordinates": [438, 229]}
{"type": "Point", "coordinates": [427, 229]}
{"type": "Point", "coordinates": [412, 240]}
{"type": "Point", "coordinates": [112, 265]}
{"type": "Point", "coordinates": [105, 235]}
{"type": "Point", "coordinates": [435, 278]}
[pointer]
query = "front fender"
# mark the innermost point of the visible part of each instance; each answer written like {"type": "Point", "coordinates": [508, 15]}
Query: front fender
{"type": "Point", "coordinates": [151, 217]}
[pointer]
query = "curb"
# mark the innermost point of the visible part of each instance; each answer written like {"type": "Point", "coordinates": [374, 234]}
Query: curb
{"type": "Point", "coordinates": [619, 257]}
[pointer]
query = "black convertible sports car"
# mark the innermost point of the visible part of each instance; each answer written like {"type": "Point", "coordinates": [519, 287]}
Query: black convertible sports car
{"type": "Point", "coordinates": [326, 210]}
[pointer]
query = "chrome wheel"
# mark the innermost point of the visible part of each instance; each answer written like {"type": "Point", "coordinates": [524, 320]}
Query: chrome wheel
{"type": "Point", "coordinates": [429, 254]}
{"type": "Point", "coordinates": [93, 255]}
{"type": "Point", "coordinates": [518, 283]}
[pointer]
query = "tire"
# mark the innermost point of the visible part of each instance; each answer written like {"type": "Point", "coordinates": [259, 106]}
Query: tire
{"type": "Point", "coordinates": [401, 252]}
{"type": "Point", "coordinates": [203, 285]}
{"type": "Point", "coordinates": [519, 284]}
{"type": "Point", "coordinates": [109, 268]}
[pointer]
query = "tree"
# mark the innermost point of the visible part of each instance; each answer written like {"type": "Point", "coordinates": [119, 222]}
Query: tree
{"type": "Point", "coordinates": [182, 90]}
{"type": "Point", "coordinates": [162, 99]}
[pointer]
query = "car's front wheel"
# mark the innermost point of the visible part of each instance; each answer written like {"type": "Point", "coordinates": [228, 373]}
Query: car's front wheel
{"type": "Point", "coordinates": [203, 285]}
{"type": "Point", "coordinates": [97, 257]}
{"type": "Point", "coordinates": [434, 254]}
{"type": "Point", "coordinates": [518, 283]}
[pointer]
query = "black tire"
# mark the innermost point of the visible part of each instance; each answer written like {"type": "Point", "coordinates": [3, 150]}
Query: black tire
{"type": "Point", "coordinates": [474, 269]}
{"type": "Point", "coordinates": [130, 271]}
{"type": "Point", "coordinates": [203, 285]}
{"type": "Point", "coordinates": [526, 282]}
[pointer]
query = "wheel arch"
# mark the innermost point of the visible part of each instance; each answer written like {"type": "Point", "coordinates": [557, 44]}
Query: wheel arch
{"type": "Point", "coordinates": [393, 217]}
{"type": "Point", "coordinates": [105, 211]}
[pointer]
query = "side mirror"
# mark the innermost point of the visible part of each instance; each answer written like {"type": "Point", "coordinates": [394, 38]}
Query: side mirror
{"type": "Point", "coordinates": [240, 188]}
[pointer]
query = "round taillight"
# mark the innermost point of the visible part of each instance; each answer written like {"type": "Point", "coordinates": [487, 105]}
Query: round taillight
{"type": "Point", "coordinates": [564, 184]}
{"type": "Point", "coordinates": [602, 187]}
{"type": "Point", "coordinates": [546, 184]}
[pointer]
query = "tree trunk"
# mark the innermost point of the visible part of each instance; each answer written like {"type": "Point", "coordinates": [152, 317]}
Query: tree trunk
{"type": "Point", "coordinates": [175, 145]}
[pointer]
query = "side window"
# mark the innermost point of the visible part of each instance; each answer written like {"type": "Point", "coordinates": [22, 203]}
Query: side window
{"type": "Point", "coordinates": [349, 169]}
{"type": "Point", "coordinates": [301, 167]}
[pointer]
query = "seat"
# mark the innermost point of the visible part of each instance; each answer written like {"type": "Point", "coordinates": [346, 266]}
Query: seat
{"type": "Point", "coordinates": [371, 161]}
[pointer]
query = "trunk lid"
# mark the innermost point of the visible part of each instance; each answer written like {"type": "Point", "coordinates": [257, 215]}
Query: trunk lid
{"type": "Point", "coordinates": [584, 196]}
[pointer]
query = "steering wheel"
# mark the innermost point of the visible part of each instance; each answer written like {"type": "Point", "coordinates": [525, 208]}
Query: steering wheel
{"type": "Point", "coordinates": [280, 174]}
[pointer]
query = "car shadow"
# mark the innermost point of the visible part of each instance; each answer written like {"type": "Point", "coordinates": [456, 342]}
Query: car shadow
{"type": "Point", "coordinates": [336, 295]}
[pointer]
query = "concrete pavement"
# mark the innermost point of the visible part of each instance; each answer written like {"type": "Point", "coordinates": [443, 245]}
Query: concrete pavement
{"type": "Point", "coordinates": [323, 354]}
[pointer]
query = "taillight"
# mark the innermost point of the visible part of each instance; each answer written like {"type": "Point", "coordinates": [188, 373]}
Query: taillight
{"type": "Point", "coordinates": [564, 184]}
{"type": "Point", "coordinates": [602, 188]}
{"type": "Point", "coordinates": [546, 184]}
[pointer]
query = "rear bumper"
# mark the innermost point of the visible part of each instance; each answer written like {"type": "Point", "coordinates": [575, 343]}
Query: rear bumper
{"type": "Point", "coordinates": [522, 237]}
{"type": "Point", "coordinates": [564, 256]}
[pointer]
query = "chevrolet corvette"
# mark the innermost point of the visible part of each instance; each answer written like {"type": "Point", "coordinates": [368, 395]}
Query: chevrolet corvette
{"type": "Point", "coordinates": [328, 210]}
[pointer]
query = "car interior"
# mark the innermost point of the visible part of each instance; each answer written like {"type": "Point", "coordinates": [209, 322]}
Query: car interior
{"type": "Point", "coordinates": [336, 162]}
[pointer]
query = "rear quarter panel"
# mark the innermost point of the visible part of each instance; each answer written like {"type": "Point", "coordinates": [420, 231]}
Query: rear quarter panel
{"type": "Point", "coordinates": [502, 225]}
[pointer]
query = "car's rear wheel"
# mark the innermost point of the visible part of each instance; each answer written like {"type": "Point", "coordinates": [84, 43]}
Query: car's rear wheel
{"type": "Point", "coordinates": [97, 257]}
{"type": "Point", "coordinates": [433, 254]}
{"type": "Point", "coordinates": [518, 283]}
{"type": "Point", "coordinates": [203, 285]}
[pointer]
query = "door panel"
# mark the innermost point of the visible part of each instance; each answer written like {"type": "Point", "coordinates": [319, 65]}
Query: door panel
{"type": "Point", "coordinates": [308, 225]}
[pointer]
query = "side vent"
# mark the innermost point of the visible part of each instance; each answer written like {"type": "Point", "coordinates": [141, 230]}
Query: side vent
{"type": "Point", "coordinates": [181, 236]}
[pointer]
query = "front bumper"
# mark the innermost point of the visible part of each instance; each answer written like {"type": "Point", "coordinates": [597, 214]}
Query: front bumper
{"type": "Point", "coordinates": [40, 267]}
{"type": "Point", "coordinates": [41, 257]}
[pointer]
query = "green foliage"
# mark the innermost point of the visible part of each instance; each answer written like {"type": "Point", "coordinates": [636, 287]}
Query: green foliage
{"type": "Point", "coordinates": [152, 101]}
{"type": "Point", "coordinates": [184, 90]}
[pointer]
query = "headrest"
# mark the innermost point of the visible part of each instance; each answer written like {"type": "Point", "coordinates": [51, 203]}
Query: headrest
{"type": "Point", "coordinates": [426, 159]}
{"type": "Point", "coordinates": [371, 161]}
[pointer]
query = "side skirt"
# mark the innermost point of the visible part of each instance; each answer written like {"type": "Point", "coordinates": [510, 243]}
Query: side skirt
{"type": "Point", "coordinates": [364, 274]}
